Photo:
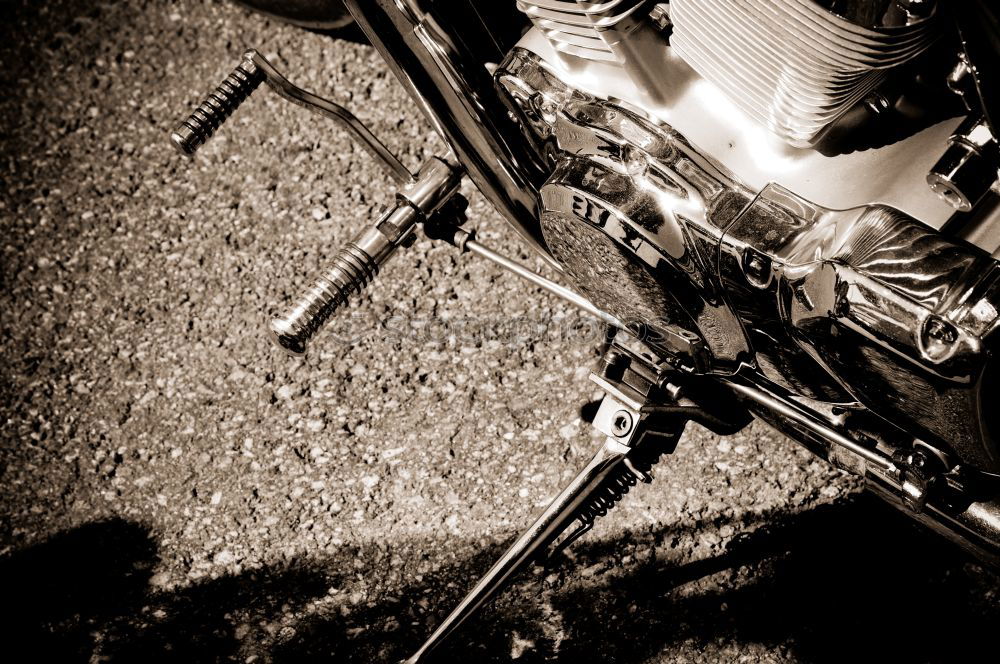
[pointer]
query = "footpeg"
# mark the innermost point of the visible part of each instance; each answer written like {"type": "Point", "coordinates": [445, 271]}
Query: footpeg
{"type": "Point", "coordinates": [195, 131]}
{"type": "Point", "coordinates": [357, 264]}
{"type": "Point", "coordinates": [254, 69]}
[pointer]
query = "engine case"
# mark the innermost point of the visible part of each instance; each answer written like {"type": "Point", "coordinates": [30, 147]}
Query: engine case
{"type": "Point", "coordinates": [866, 308]}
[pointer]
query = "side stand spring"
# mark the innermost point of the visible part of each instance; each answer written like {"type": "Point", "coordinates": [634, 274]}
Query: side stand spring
{"type": "Point", "coordinates": [633, 469]}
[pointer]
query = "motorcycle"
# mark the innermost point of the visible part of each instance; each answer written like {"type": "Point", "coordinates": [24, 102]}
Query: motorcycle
{"type": "Point", "coordinates": [782, 209]}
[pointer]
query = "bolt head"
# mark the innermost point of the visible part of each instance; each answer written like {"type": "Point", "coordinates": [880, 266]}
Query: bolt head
{"type": "Point", "coordinates": [941, 331]}
{"type": "Point", "coordinates": [757, 269]}
{"type": "Point", "coordinates": [660, 16]}
{"type": "Point", "coordinates": [634, 161]}
{"type": "Point", "coordinates": [621, 423]}
{"type": "Point", "coordinates": [547, 108]}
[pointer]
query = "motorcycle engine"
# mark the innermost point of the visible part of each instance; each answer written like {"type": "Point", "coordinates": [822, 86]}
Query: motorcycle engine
{"type": "Point", "coordinates": [774, 184]}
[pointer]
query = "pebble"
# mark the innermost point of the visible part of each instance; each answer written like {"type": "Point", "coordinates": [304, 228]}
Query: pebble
{"type": "Point", "coordinates": [224, 557]}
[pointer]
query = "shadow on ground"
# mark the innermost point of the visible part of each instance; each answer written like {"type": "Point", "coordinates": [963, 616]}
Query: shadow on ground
{"type": "Point", "coordinates": [837, 583]}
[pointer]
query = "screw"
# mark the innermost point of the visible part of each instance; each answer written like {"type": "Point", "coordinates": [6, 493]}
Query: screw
{"type": "Point", "coordinates": [547, 108]}
{"type": "Point", "coordinates": [634, 161]}
{"type": "Point", "coordinates": [660, 16]}
{"type": "Point", "coordinates": [939, 330]}
{"type": "Point", "coordinates": [621, 423]}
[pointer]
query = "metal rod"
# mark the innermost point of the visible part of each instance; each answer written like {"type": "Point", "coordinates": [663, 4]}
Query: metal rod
{"type": "Point", "coordinates": [556, 289]}
{"type": "Point", "coordinates": [553, 521]}
{"type": "Point", "coordinates": [827, 433]}
{"type": "Point", "coordinates": [754, 393]}
{"type": "Point", "coordinates": [281, 85]}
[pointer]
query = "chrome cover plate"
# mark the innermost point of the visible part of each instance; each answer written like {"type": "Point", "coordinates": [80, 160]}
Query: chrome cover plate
{"type": "Point", "coordinates": [858, 307]}
{"type": "Point", "coordinates": [893, 175]}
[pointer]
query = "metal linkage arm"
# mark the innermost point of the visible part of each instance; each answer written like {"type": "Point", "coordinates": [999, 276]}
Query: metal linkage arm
{"type": "Point", "coordinates": [466, 241]}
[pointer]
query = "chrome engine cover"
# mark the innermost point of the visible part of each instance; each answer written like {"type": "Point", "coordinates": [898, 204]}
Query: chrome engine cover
{"type": "Point", "coordinates": [893, 175]}
{"type": "Point", "coordinates": [864, 307]}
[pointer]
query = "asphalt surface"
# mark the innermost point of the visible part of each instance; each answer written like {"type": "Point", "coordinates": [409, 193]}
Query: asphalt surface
{"type": "Point", "coordinates": [173, 489]}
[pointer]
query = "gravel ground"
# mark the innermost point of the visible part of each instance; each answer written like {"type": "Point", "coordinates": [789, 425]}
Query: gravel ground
{"type": "Point", "coordinates": [171, 488]}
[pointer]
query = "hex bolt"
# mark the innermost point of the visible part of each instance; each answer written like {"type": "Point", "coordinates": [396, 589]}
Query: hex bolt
{"type": "Point", "coordinates": [546, 107]}
{"type": "Point", "coordinates": [660, 17]}
{"type": "Point", "coordinates": [634, 161]}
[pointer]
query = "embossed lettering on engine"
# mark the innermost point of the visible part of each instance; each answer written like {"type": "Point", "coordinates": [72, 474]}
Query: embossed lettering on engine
{"type": "Point", "coordinates": [638, 228]}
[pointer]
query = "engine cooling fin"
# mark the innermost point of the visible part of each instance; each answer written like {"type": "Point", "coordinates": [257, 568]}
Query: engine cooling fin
{"type": "Point", "coordinates": [584, 29]}
{"type": "Point", "coordinates": [793, 65]}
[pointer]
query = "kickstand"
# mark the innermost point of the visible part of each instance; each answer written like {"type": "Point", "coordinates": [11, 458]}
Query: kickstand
{"type": "Point", "coordinates": [642, 416]}
{"type": "Point", "coordinates": [630, 448]}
